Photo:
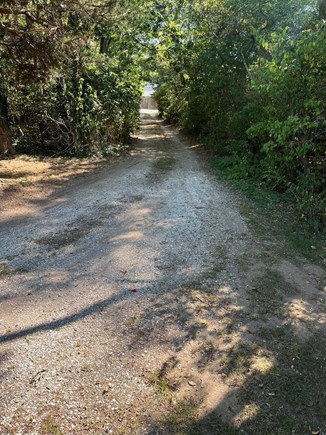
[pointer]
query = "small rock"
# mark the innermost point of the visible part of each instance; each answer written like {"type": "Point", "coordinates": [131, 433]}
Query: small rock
{"type": "Point", "coordinates": [191, 383]}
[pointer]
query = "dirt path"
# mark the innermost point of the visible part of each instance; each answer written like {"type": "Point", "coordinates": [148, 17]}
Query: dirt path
{"type": "Point", "coordinates": [136, 301]}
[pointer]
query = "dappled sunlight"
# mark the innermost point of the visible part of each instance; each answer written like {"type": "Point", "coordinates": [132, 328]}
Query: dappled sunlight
{"type": "Point", "coordinates": [155, 287]}
{"type": "Point", "coordinates": [131, 235]}
{"type": "Point", "coordinates": [28, 185]}
{"type": "Point", "coordinates": [262, 364]}
{"type": "Point", "coordinates": [248, 413]}
{"type": "Point", "coordinates": [225, 289]}
{"type": "Point", "coordinates": [300, 310]}
{"type": "Point", "coordinates": [199, 145]}
{"type": "Point", "coordinates": [57, 278]}
{"type": "Point", "coordinates": [141, 212]}
{"type": "Point", "coordinates": [138, 290]}
{"type": "Point", "coordinates": [209, 352]}
{"type": "Point", "coordinates": [222, 357]}
{"type": "Point", "coordinates": [150, 112]}
{"type": "Point", "coordinates": [60, 285]}
{"type": "Point", "coordinates": [147, 138]}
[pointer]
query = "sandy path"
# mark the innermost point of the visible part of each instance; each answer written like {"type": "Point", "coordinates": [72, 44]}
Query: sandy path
{"type": "Point", "coordinates": [92, 316]}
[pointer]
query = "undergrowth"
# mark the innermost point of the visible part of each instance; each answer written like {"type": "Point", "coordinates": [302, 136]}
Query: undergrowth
{"type": "Point", "coordinates": [304, 232]}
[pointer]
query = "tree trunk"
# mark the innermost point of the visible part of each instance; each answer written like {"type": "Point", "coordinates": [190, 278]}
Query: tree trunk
{"type": "Point", "coordinates": [5, 139]}
{"type": "Point", "coordinates": [5, 136]}
{"type": "Point", "coordinates": [322, 9]}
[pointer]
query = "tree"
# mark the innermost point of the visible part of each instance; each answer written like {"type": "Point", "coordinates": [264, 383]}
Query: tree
{"type": "Point", "coordinates": [73, 72]}
{"type": "Point", "coordinates": [322, 9]}
{"type": "Point", "coordinates": [249, 77]}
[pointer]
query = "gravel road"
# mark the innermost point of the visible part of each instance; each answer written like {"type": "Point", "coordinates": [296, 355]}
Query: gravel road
{"type": "Point", "coordinates": [91, 306]}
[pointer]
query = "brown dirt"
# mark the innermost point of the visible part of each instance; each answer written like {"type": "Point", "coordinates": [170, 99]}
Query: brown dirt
{"type": "Point", "coordinates": [26, 182]}
{"type": "Point", "coordinates": [139, 302]}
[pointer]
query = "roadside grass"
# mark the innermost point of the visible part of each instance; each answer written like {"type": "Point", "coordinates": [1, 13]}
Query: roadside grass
{"type": "Point", "coordinates": [183, 420]}
{"type": "Point", "coordinates": [215, 270]}
{"type": "Point", "coordinates": [289, 397]}
{"type": "Point", "coordinates": [267, 295]}
{"type": "Point", "coordinates": [277, 372]}
{"type": "Point", "coordinates": [204, 295]}
{"type": "Point", "coordinates": [275, 362]}
{"type": "Point", "coordinates": [283, 384]}
{"type": "Point", "coordinates": [161, 384]}
{"type": "Point", "coordinates": [300, 235]}
{"type": "Point", "coordinates": [50, 427]}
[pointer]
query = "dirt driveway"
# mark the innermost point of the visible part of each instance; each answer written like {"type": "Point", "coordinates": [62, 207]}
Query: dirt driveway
{"type": "Point", "coordinates": [136, 300]}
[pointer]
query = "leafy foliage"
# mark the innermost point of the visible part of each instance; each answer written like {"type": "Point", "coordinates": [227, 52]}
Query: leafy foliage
{"type": "Point", "coordinates": [71, 74]}
{"type": "Point", "coordinates": [249, 77]}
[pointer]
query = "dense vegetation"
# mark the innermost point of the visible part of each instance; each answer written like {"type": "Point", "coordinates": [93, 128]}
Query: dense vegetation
{"type": "Point", "coordinates": [71, 74]}
{"type": "Point", "coordinates": [248, 76]}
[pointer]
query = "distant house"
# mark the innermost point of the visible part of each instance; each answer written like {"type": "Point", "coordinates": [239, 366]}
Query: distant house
{"type": "Point", "coordinates": [147, 101]}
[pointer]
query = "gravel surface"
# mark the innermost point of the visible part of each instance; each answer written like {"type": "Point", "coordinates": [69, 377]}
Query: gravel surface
{"type": "Point", "coordinates": [100, 293]}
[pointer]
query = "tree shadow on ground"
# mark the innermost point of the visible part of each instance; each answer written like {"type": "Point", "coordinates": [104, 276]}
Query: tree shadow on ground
{"type": "Point", "coordinates": [269, 374]}
{"type": "Point", "coordinates": [239, 361]}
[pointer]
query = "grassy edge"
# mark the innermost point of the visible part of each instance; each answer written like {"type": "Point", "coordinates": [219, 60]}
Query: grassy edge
{"type": "Point", "coordinates": [270, 206]}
